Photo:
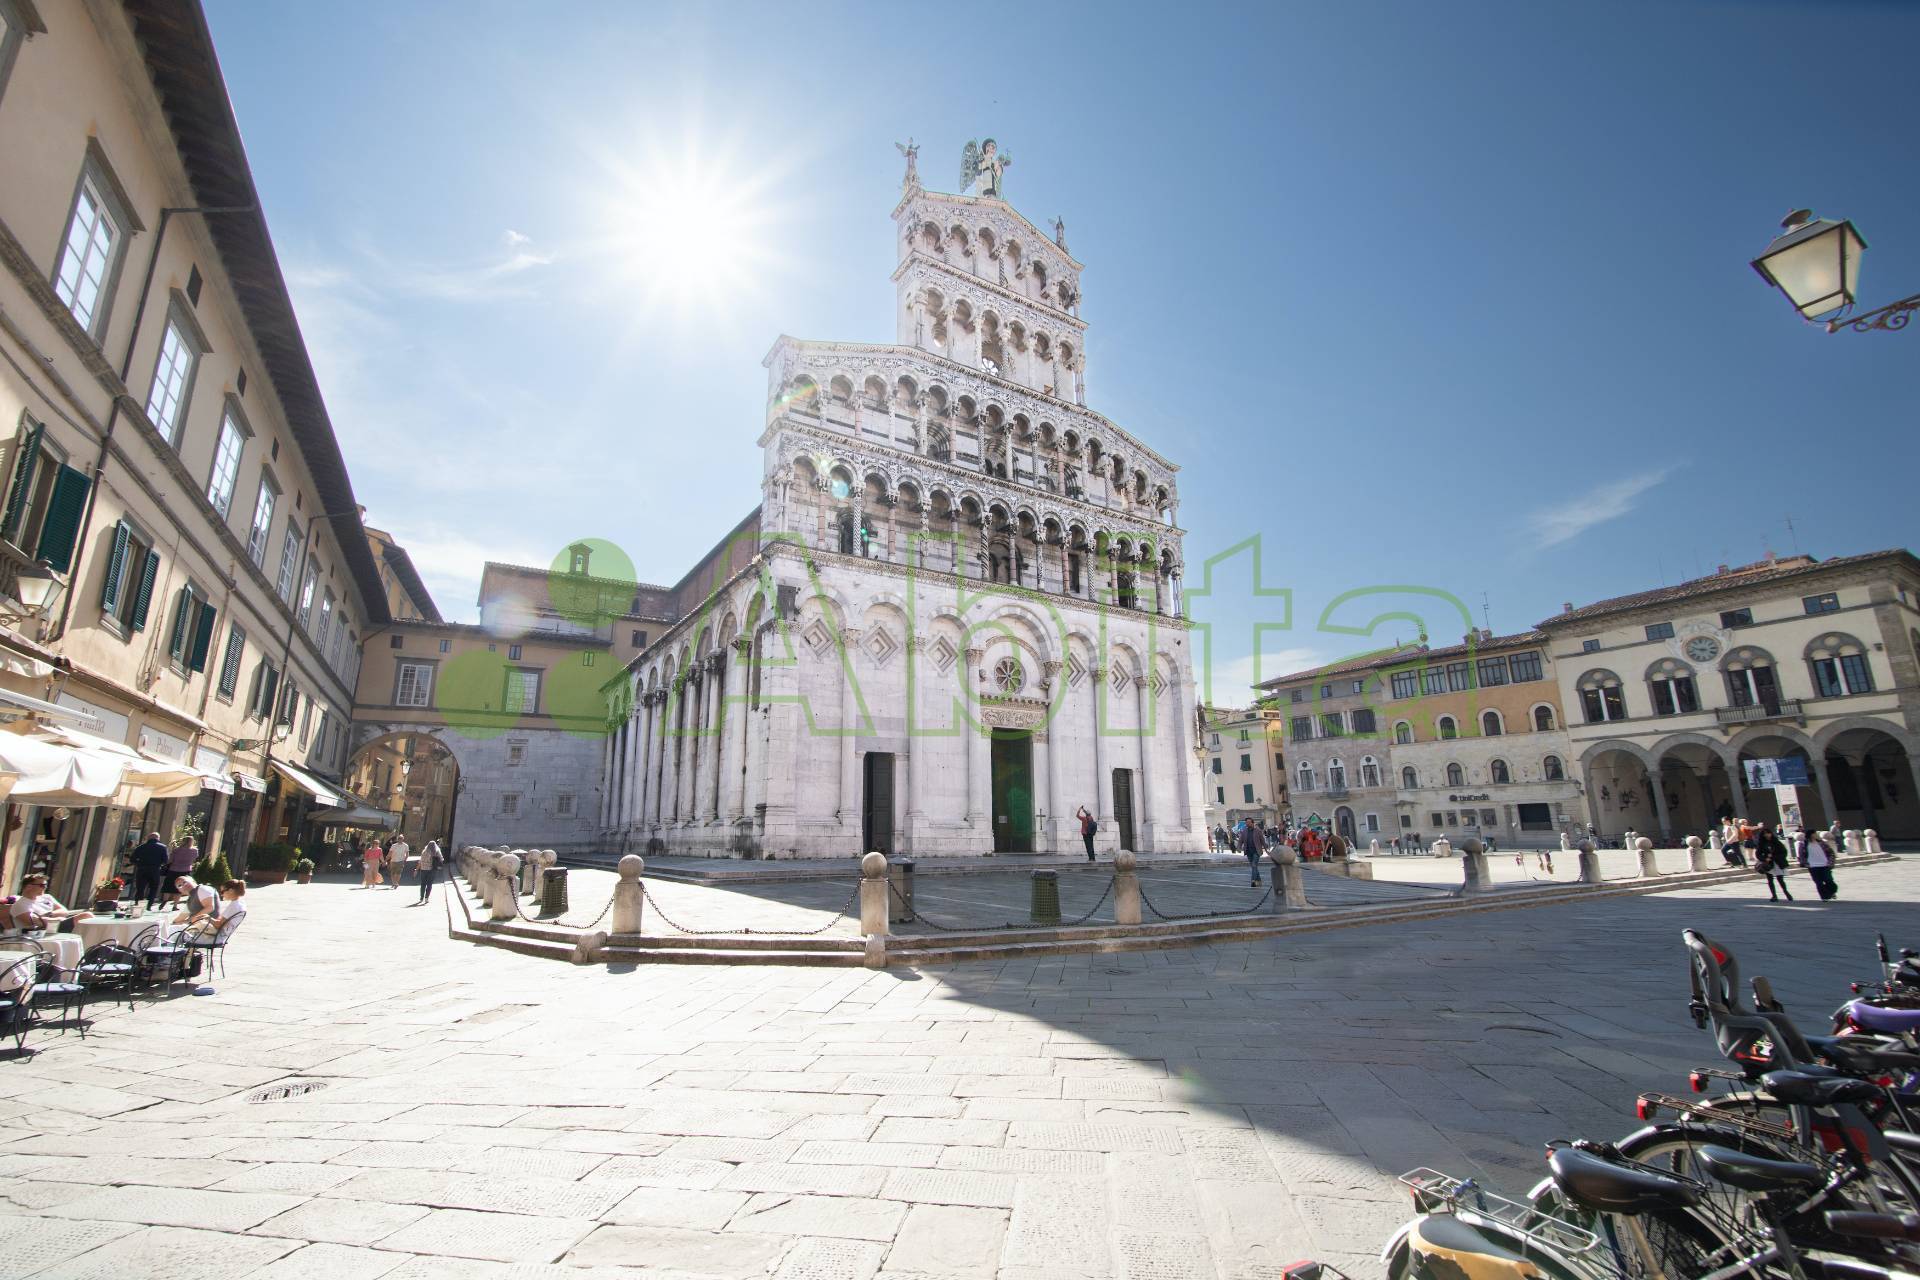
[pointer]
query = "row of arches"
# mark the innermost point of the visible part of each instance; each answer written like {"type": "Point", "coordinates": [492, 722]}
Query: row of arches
{"type": "Point", "coordinates": [1003, 259]}
{"type": "Point", "coordinates": [1542, 718]}
{"type": "Point", "coordinates": [1452, 774]}
{"type": "Point", "coordinates": [1836, 664]}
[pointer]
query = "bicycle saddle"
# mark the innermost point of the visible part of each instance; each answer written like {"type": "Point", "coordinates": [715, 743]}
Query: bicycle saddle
{"type": "Point", "coordinates": [1890, 1017]}
{"type": "Point", "coordinates": [1863, 1055]}
{"type": "Point", "coordinates": [1807, 1090]}
{"type": "Point", "coordinates": [1602, 1184]}
{"type": "Point", "coordinates": [1755, 1173]}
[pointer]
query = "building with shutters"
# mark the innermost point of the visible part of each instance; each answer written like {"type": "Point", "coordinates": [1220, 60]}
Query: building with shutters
{"type": "Point", "coordinates": [184, 579]}
{"type": "Point", "coordinates": [1243, 768]}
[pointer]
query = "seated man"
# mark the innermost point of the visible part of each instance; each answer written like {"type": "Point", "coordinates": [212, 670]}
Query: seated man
{"type": "Point", "coordinates": [37, 909]}
{"type": "Point", "coordinates": [200, 898]}
{"type": "Point", "coordinates": [231, 913]}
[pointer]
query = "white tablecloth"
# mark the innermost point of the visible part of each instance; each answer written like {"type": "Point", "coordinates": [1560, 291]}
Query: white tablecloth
{"type": "Point", "coordinates": [11, 977]}
{"type": "Point", "coordinates": [66, 947]}
{"type": "Point", "coordinates": [107, 929]}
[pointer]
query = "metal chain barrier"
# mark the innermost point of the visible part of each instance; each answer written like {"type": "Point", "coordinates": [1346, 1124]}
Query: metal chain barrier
{"type": "Point", "coordinates": [1203, 915]}
{"type": "Point", "coordinates": [677, 927]}
{"type": "Point", "coordinates": [921, 917]}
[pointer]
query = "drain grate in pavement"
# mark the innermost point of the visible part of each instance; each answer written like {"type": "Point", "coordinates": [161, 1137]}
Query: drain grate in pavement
{"type": "Point", "coordinates": [288, 1089]}
{"type": "Point", "coordinates": [1515, 1026]}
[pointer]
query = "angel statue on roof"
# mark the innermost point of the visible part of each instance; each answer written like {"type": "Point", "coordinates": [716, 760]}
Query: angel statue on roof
{"type": "Point", "coordinates": [983, 168]}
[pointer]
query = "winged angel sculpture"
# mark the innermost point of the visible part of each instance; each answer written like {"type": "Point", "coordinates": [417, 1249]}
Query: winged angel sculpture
{"type": "Point", "coordinates": [983, 169]}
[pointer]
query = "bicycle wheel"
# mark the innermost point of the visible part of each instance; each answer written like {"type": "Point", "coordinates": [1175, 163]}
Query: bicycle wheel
{"type": "Point", "coordinates": [1679, 1244]}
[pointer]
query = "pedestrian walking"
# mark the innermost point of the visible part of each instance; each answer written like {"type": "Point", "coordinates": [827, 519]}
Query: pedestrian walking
{"type": "Point", "coordinates": [1770, 860]}
{"type": "Point", "coordinates": [1253, 843]}
{"type": "Point", "coordinates": [1731, 851]}
{"type": "Point", "coordinates": [1088, 828]}
{"type": "Point", "coordinates": [1816, 855]}
{"type": "Point", "coordinates": [150, 859]}
{"type": "Point", "coordinates": [397, 859]}
{"type": "Point", "coordinates": [430, 860]}
{"type": "Point", "coordinates": [1836, 839]}
{"type": "Point", "coordinates": [179, 863]}
{"type": "Point", "coordinates": [370, 859]}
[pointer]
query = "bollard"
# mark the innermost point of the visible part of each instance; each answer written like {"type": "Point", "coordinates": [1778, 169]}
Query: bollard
{"type": "Point", "coordinates": [1589, 864]}
{"type": "Point", "coordinates": [873, 908]}
{"type": "Point", "coordinates": [1648, 866]}
{"type": "Point", "coordinates": [1442, 847]}
{"type": "Point", "coordinates": [1290, 881]}
{"type": "Point", "coordinates": [1373, 847]}
{"type": "Point", "coordinates": [523, 870]}
{"type": "Point", "coordinates": [529, 882]}
{"type": "Point", "coordinates": [1474, 875]}
{"type": "Point", "coordinates": [1566, 845]}
{"type": "Point", "coordinates": [590, 948]}
{"type": "Point", "coordinates": [553, 891]}
{"type": "Point", "coordinates": [1870, 842]}
{"type": "Point", "coordinates": [629, 897]}
{"type": "Point", "coordinates": [505, 904]}
{"type": "Point", "coordinates": [1713, 842]}
{"type": "Point", "coordinates": [1698, 855]}
{"type": "Point", "coordinates": [1854, 845]}
{"type": "Point", "coordinates": [900, 899]}
{"type": "Point", "coordinates": [1044, 903]}
{"type": "Point", "coordinates": [1126, 889]}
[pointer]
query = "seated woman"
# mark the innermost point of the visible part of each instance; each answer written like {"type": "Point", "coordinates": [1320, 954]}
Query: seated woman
{"type": "Point", "coordinates": [35, 908]}
{"type": "Point", "coordinates": [200, 898]}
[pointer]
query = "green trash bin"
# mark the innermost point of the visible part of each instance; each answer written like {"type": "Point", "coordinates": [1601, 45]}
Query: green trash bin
{"type": "Point", "coordinates": [553, 891]}
{"type": "Point", "coordinates": [1045, 908]}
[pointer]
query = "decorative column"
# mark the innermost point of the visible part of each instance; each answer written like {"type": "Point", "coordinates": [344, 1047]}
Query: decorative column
{"type": "Point", "coordinates": [717, 664]}
{"type": "Point", "coordinates": [917, 738]}
{"type": "Point", "coordinates": [1657, 788]}
{"type": "Point", "coordinates": [849, 721]}
{"type": "Point", "coordinates": [1102, 780]}
{"type": "Point", "coordinates": [1143, 692]}
{"type": "Point", "coordinates": [1824, 785]}
{"type": "Point", "coordinates": [644, 789]}
{"type": "Point", "coordinates": [742, 663]}
{"type": "Point", "coordinates": [1056, 802]}
{"type": "Point", "coordinates": [979, 760]}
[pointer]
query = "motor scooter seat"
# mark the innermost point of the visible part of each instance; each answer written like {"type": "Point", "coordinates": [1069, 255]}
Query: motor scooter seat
{"type": "Point", "coordinates": [1756, 1173]}
{"type": "Point", "coordinates": [1614, 1187]}
{"type": "Point", "coordinates": [1806, 1090]}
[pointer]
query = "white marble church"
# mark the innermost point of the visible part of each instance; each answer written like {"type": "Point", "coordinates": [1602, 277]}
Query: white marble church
{"type": "Point", "coordinates": [954, 620]}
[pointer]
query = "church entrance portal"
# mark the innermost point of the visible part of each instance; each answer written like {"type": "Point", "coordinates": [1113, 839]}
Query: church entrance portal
{"type": "Point", "coordinates": [1123, 806]}
{"type": "Point", "coordinates": [1012, 791]}
{"type": "Point", "coordinates": [876, 810]}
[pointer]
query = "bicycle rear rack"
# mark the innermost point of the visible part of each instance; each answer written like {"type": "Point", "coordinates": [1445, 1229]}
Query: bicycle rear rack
{"type": "Point", "coordinates": [1650, 1105]}
{"type": "Point", "coordinates": [1433, 1189]}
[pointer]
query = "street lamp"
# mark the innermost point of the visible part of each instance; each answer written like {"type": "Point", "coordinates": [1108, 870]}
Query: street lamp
{"type": "Point", "coordinates": [34, 587]}
{"type": "Point", "coordinates": [1815, 262]}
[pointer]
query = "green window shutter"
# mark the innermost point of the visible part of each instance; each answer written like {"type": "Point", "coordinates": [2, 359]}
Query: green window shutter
{"type": "Point", "coordinates": [116, 568]}
{"type": "Point", "coordinates": [29, 458]}
{"type": "Point", "coordinates": [182, 612]}
{"type": "Point", "coordinates": [61, 528]}
{"type": "Point", "coordinates": [230, 666]}
{"type": "Point", "coordinates": [143, 593]}
{"type": "Point", "coordinates": [267, 691]}
{"type": "Point", "coordinates": [202, 639]}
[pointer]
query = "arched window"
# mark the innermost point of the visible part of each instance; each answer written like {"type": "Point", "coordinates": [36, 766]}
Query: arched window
{"type": "Point", "coordinates": [1369, 772]}
{"type": "Point", "coordinates": [1552, 769]}
{"type": "Point", "coordinates": [846, 533]}
{"type": "Point", "coordinates": [1498, 772]}
{"type": "Point", "coordinates": [1670, 684]}
{"type": "Point", "coordinates": [1839, 666]}
{"type": "Point", "coordinates": [1491, 726]}
{"type": "Point", "coordinates": [1456, 777]}
{"type": "Point", "coordinates": [1410, 778]}
{"type": "Point", "coordinates": [1306, 778]}
{"type": "Point", "coordinates": [1448, 729]}
{"type": "Point", "coordinates": [1751, 679]}
{"type": "Point", "coordinates": [1600, 697]}
{"type": "Point", "coordinates": [1542, 719]}
{"type": "Point", "coordinates": [1336, 775]}
{"type": "Point", "coordinates": [1402, 733]}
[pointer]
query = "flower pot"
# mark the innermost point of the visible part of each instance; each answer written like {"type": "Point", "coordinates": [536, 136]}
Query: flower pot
{"type": "Point", "coordinates": [258, 878]}
{"type": "Point", "coordinates": [306, 877]}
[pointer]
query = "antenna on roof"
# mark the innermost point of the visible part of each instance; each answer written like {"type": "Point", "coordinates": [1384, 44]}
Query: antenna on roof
{"type": "Point", "coordinates": [1794, 534]}
{"type": "Point", "coordinates": [1486, 614]}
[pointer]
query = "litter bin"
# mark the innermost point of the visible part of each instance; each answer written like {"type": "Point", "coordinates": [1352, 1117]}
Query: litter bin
{"type": "Point", "coordinates": [553, 891]}
{"type": "Point", "coordinates": [900, 876]}
{"type": "Point", "coordinates": [1045, 908]}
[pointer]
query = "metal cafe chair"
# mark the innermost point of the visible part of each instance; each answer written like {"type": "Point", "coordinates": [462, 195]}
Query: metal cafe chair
{"type": "Point", "coordinates": [17, 981]}
{"type": "Point", "coordinates": [59, 984]}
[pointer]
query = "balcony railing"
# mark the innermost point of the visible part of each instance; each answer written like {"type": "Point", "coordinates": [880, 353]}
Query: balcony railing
{"type": "Point", "coordinates": [1783, 709]}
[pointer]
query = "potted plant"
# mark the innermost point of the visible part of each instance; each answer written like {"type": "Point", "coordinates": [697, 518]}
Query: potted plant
{"type": "Point", "coordinates": [269, 863]}
{"type": "Point", "coordinates": [303, 870]}
{"type": "Point", "coordinates": [106, 894]}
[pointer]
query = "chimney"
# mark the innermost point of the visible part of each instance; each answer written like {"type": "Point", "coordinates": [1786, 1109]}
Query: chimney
{"type": "Point", "coordinates": [1721, 569]}
{"type": "Point", "coordinates": [1567, 607]}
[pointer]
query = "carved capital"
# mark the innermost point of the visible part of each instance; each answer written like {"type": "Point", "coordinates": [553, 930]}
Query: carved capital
{"type": "Point", "coordinates": [743, 645]}
{"type": "Point", "coordinates": [1098, 673]}
{"type": "Point", "coordinates": [716, 662]}
{"type": "Point", "coordinates": [1139, 682]}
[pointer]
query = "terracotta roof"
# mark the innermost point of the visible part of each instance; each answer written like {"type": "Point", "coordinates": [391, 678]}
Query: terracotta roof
{"type": "Point", "coordinates": [402, 565]}
{"type": "Point", "coordinates": [1739, 578]}
{"type": "Point", "coordinates": [1484, 645]}
{"type": "Point", "coordinates": [1363, 661]}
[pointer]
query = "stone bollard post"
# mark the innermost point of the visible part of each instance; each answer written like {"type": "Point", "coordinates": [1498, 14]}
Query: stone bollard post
{"type": "Point", "coordinates": [1870, 841]}
{"type": "Point", "coordinates": [1589, 864]}
{"type": "Point", "coordinates": [1698, 855]}
{"type": "Point", "coordinates": [1474, 875]}
{"type": "Point", "coordinates": [1126, 889]}
{"type": "Point", "coordinates": [506, 905]}
{"type": "Point", "coordinates": [1290, 889]}
{"type": "Point", "coordinates": [518, 882]}
{"type": "Point", "coordinates": [1373, 847]}
{"type": "Point", "coordinates": [1566, 845]}
{"type": "Point", "coordinates": [873, 908]}
{"type": "Point", "coordinates": [1442, 847]}
{"type": "Point", "coordinates": [1648, 866]}
{"type": "Point", "coordinates": [629, 897]}
{"type": "Point", "coordinates": [1714, 843]}
{"type": "Point", "coordinates": [1853, 844]}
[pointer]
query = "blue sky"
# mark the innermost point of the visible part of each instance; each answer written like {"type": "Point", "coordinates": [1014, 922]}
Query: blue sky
{"type": "Point", "coordinates": [1452, 296]}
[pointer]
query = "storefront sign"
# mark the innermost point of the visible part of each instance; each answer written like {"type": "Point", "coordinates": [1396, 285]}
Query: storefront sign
{"type": "Point", "coordinates": [156, 742]}
{"type": "Point", "coordinates": [209, 760]}
{"type": "Point", "coordinates": [113, 725]}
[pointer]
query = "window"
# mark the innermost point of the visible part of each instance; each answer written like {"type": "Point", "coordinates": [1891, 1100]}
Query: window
{"type": "Point", "coordinates": [1600, 697]}
{"type": "Point", "coordinates": [180, 350]}
{"type": "Point", "coordinates": [1326, 691]}
{"type": "Point", "coordinates": [1300, 728]}
{"type": "Point", "coordinates": [1336, 775]}
{"type": "Point", "coordinates": [1433, 680]}
{"type": "Point", "coordinates": [1493, 671]}
{"type": "Point", "coordinates": [1369, 772]}
{"type": "Point", "coordinates": [1306, 778]}
{"type": "Point", "coordinates": [522, 694]}
{"type": "Point", "coordinates": [1469, 818]}
{"type": "Point", "coordinates": [289, 703]}
{"type": "Point", "coordinates": [446, 646]}
{"type": "Point", "coordinates": [1670, 683]}
{"type": "Point", "coordinates": [1459, 677]}
{"type": "Point", "coordinates": [1246, 792]}
{"type": "Point", "coordinates": [513, 653]}
{"type": "Point", "coordinates": [1491, 725]}
{"type": "Point", "coordinates": [1330, 724]}
{"type": "Point", "coordinates": [1498, 772]}
{"type": "Point", "coordinates": [413, 684]}
{"type": "Point", "coordinates": [132, 566]}
{"type": "Point", "coordinates": [1216, 764]}
{"type": "Point", "coordinates": [326, 617]}
{"type": "Point", "coordinates": [94, 244]}
{"type": "Point", "coordinates": [1589, 646]}
{"type": "Point", "coordinates": [516, 754]}
{"type": "Point", "coordinates": [192, 634]}
{"type": "Point", "coordinates": [1543, 719]}
{"type": "Point", "coordinates": [13, 32]}
{"type": "Point", "coordinates": [45, 499]}
{"type": "Point", "coordinates": [396, 642]}
{"type": "Point", "coordinates": [1220, 795]}
{"type": "Point", "coordinates": [1244, 736]}
{"type": "Point", "coordinates": [1359, 686]}
{"type": "Point", "coordinates": [639, 639]}
{"type": "Point", "coordinates": [1437, 819]}
{"type": "Point", "coordinates": [306, 723]}
{"type": "Point", "coordinates": [1406, 822]}
{"type": "Point", "coordinates": [263, 505]}
{"type": "Point", "coordinates": [587, 658]}
{"type": "Point", "coordinates": [1362, 720]}
{"type": "Point", "coordinates": [1279, 764]}
{"type": "Point", "coordinates": [1751, 681]}
{"type": "Point", "coordinates": [230, 662]}
{"type": "Point", "coordinates": [510, 804]}
{"type": "Point", "coordinates": [1456, 776]}
{"type": "Point", "coordinates": [1659, 631]}
{"type": "Point", "coordinates": [1447, 728]}
{"type": "Point", "coordinates": [1553, 770]}
{"type": "Point", "coordinates": [308, 581]}
{"type": "Point", "coordinates": [1524, 666]}
{"type": "Point", "coordinates": [563, 805]}
{"type": "Point", "coordinates": [266, 683]}
{"type": "Point", "coordinates": [1839, 664]}
{"type": "Point", "coordinates": [1737, 618]}
{"type": "Point", "coordinates": [1409, 778]}
{"type": "Point", "coordinates": [289, 554]}
{"type": "Point", "coordinates": [1246, 764]}
{"type": "Point", "coordinates": [226, 462]}
{"type": "Point", "coordinates": [1402, 733]}
{"type": "Point", "coordinates": [1826, 602]}
{"type": "Point", "coordinates": [1214, 741]}
{"type": "Point", "coordinates": [1405, 684]}
{"type": "Point", "coordinates": [1299, 695]}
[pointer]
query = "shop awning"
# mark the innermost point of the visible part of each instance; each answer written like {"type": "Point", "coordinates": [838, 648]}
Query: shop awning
{"type": "Point", "coordinates": [12, 703]}
{"type": "Point", "coordinates": [159, 779]}
{"type": "Point", "coordinates": [359, 815]}
{"type": "Point", "coordinates": [45, 772]}
{"type": "Point", "coordinates": [248, 782]}
{"type": "Point", "coordinates": [319, 790]}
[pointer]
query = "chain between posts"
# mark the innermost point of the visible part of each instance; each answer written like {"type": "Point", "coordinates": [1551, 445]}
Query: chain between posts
{"type": "Point", "coordinates": [921, 917]}
{"type": "Point", "coordinates": [677, 927]}
{"type": "Point", "coordinates": [520, 912]}
{"type": "Point", "coordinates": [1203, 915]}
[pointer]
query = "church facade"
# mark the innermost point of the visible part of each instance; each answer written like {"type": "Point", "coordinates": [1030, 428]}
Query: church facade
{"type": "Point", "coordinates": [954, 621]}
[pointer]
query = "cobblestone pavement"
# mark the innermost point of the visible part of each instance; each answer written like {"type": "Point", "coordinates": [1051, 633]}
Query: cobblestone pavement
{"type": "Point", "coordinates": [1212, 1112]}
